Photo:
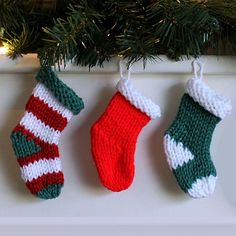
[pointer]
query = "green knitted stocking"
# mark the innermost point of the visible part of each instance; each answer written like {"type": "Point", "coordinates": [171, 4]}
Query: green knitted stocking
{"type": "Point", "coordinates": [187, 141]}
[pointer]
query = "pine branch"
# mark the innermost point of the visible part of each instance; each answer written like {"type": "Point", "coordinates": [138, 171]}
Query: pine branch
{"type": "Point", "coordinates": [89, 32]}
{"type": "Point", "coordinates": [131, 31]}
{"type": "Point", "coordinates": [225, 11]}
{"type": "Point", "coordinates": [11, 14]}
{"type": "Point", "coordinates": [20, 44]}
{"type": "Point", "coordinates": [22, 24]}
{"type": "Point", "coordinates": [183, 29]}
{"type": "Point", "coordinates": [72, 38]}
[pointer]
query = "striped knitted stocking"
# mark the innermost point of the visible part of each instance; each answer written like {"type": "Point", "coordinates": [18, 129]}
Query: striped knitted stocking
{"type": "Point", "coordinates": [187, 141]}
{"type": "Point", "coordinates": [35, 139]}
{"type": "Point", "coordinates": [114, 135]}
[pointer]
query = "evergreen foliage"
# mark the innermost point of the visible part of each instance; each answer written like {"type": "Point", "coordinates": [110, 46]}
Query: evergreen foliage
{"type": "Point", "coordinates": [89, 32]}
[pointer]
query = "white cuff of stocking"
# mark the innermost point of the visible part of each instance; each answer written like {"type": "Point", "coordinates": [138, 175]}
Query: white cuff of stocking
{"type": "Point", "coordinates": [216, 104]}
{"type": "Point", "coordinates": [141, 102]}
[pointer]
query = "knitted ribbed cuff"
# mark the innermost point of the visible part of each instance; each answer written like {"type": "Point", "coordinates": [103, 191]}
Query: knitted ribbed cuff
{"type": "Point", "coordinates": [216, 104]}
{"type": "Point", "coordinates": [141, 102]}
{"type": "Point", "coordinates": [64, 94]}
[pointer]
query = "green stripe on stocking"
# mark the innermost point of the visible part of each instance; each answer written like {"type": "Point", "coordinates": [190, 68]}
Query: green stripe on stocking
{"type": "Point", "coordinates": [60, 90]}
{"type": "Point", "coordinates": [22, 146]}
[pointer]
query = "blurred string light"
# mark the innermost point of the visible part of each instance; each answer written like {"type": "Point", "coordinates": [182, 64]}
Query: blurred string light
{"type": "Point", "coordinates": [3, 49]}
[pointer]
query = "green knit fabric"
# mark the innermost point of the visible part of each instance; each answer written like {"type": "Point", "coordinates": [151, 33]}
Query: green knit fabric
{"type": "Point", "coordinates": [50, 192]}
{"type": "Point", "coordinates": [60, 90]}
{"type": "Point", "coordinates": [193, 127]}
{"type": "Point", "coordinates": [22, 146]}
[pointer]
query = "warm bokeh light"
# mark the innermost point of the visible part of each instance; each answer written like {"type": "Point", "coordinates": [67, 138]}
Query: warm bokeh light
{"type": "Point", "coordinates": [3, 50]}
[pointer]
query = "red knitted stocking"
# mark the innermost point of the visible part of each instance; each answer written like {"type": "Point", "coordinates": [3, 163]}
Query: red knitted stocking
{"type": "Point", "coordinates": [115, 133]}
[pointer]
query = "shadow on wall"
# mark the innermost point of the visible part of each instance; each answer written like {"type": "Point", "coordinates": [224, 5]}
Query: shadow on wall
{"type": "Point", "coordinates": [81, 142]}
{"type": "Point", "coordinates": [159, 163]}
{"type": "Point", "coordinates": [224, 154]}
{"type": "Point", "coordinates": [10, 167]}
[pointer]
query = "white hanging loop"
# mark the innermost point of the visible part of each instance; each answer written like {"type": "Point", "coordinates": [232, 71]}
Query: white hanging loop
{"type": "Point", "coordinates": [198, 69]}
{"type": "Point", "coordinates": [123, 71]}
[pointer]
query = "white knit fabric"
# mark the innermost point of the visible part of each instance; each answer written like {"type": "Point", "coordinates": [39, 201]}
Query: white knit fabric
{"type": "Point", "coordinates": [141, 102]}
{"type": "Point", "coordinates": [46, 133]}
{"type": "Point", "coordinates": [177, 155]}
{"type": "Point", "coordinates": [203, 187]}
{"type": "Point", "coordinates": [45, 95]}
{"type": "Point", "coordinates": [216, 104]}
{"type": "Point", "coordinates": [39, 168]}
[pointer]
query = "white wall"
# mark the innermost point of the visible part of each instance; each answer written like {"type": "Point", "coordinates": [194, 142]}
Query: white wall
{"type": "Point", "coordinates": [154, 203]}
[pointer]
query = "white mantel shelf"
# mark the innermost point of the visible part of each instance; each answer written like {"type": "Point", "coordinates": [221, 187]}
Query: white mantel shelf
{"type": "Point", "coordinates": [214, 65]}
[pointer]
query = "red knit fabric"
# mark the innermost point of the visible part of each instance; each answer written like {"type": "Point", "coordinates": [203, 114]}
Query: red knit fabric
{"type": "Point", "coordinates": [46, 114]}
{"type": "Point", "coordinates": [54, 120]}
{"type": "Point", "coordinates": [113, 139]}
{"type": "Point", "coordinates": [43, 181]}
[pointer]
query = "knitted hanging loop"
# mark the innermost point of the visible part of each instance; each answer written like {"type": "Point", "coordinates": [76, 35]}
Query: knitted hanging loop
{"type": "Point", "coordinates": [126, 88]}
{"type": "Point", "coordinates": [198, 72]}
{"type": "Point", "coordinates": [123, 71]}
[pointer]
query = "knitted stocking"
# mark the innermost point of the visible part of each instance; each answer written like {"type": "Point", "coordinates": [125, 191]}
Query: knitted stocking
{"type": "Point", "coordinates": [114, 135]}
{"type": "Point", "coordinates": [35, 139]}
{"type": "Point", "coordinates": [187, 141]}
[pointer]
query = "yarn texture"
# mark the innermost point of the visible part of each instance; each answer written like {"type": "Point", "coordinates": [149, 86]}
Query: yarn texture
{"type": "Point", "coordinates": [35, 139]}
{"type": "Point", "coordinates": [114, 135]}
{"type": "Point", "coordinates": [144, 104]}
{"type": "Point", "coordinates": [187, 141]}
